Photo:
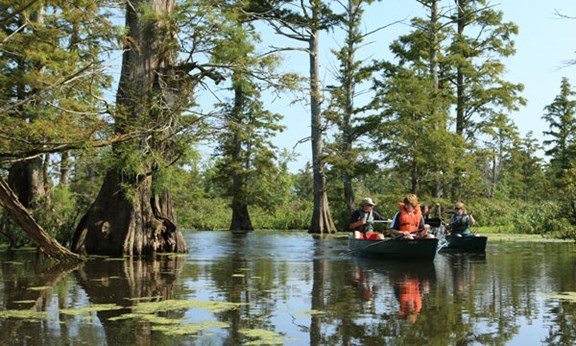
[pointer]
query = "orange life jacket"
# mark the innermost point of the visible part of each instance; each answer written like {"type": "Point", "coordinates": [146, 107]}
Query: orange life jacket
{"type": "Point", "coordinates": [409, 222]}
{"type": "Point", "coordinates": [410, 299]}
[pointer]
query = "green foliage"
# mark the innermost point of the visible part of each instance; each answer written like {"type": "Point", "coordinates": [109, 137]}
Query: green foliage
{"type": "Point", "coordinates": [51, 67]}
{"type": "Point", "coordinates": [547, 218]}
{"type": "Point", "coordinates": [205, 214]}
{"type": "Point", "coordinates": [12, 233]}
{"type": "Point", "coordinates": [293, 215]}
{"type": "Point", "coordinates": [561, 142]}
{"type": "Point", "coordinates": [53, 96]}
{"type": "Point", "coordinates": [60, 216]}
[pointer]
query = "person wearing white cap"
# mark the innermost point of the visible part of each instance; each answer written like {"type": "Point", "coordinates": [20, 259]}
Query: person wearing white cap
{"type": "Point", "coordinates": [362, 220]}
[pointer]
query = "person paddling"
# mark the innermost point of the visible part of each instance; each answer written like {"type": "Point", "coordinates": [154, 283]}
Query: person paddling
{"type": "Point", "coordinates": [362, 221]}
{"type": "Point", "coordinates": [461, 222]}
{"type": "Point", "coordinates": [408, 223]}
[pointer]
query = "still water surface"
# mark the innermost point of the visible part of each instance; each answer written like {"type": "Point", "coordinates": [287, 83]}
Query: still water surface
{"type": "Point", "coordinates": [285, 288]}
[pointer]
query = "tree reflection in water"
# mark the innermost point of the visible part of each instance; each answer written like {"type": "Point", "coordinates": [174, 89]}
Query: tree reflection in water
{"type": "Point", "coordinates": [291, 289]}
{"type": "Point", "coordinates": [127, 283]}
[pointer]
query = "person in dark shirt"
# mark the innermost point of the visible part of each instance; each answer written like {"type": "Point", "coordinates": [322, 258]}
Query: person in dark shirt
{"type": "Point", "coordinates": [362, 220]}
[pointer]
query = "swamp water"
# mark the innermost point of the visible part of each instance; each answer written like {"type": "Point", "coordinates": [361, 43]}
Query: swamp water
{"type": "Point", "coordinates": [287, 288]}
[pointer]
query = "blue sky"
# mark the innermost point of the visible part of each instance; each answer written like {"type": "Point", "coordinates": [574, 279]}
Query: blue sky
{"type": "Point", "coordinates": [544, 45]}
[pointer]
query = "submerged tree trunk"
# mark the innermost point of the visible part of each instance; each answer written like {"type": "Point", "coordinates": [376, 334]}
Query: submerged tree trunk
{"type": "Point", "coordinates": [128, 217]}
{"type": "Point", "coordinates": [240, 215]}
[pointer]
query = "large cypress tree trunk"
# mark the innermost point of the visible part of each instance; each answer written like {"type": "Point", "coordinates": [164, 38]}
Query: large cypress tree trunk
{"type": "Point", "coordinates": [128, 218]}
{"type": "Point", "coordinates": [240, 216]}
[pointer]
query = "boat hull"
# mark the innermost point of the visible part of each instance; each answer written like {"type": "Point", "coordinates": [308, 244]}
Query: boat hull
{"type": "Point", "coordinates": [404, 249]}
{"type": "Point", "coordinates": [466, 244]}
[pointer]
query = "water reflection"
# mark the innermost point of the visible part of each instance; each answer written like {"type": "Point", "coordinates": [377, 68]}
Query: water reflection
{"type": "Point", "coordinates": [292, 289]}
{"type": "Point", "coordinates": [460, 268]}
{"type": "Point", "coordinates": [407, 290]}
{"type": "Point", "coordinates": [127, 283]}
{"type": "Point", "coordinates": [407, 281]}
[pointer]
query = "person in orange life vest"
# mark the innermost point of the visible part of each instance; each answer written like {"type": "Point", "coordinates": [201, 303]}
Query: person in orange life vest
{"type": "Point", "coordinates": [409, 223]}
{"type": "Point", "coordinates": [408, 293]}
{"type": "Point", "coordinates": [362, 221]}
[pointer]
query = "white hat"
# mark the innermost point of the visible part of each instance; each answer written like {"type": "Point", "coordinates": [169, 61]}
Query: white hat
{"type": "Point", "coordinates": [367, 201]}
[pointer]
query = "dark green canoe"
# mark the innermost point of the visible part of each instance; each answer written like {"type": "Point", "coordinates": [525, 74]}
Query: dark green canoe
{"type": "Point", "coordinates": [405, 249]}
{"type": "Point", "coordinates": [466, 244]}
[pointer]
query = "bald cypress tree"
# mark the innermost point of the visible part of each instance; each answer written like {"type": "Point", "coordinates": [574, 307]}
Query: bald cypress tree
{"type": "Point", "coordinates": [52, 59]}
{"type": "Point", "coordinates": [561, 136]}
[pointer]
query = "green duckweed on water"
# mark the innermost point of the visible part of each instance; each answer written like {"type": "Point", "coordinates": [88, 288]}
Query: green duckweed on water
{"type": "Point", "coordinates": [92, 308]}
{"type": "Point", "coordinates": [309, 313]}
{"type": "Point", "coordinates": [145, 298]}
{"type": "Point", "coordinates": [148, 317]}
{"type": "Point", "coordinates": [167, 305]}
{"type": "Point", "coordinates": [263, 337]}
{"type": "Point", "coordinates": [192, 328]}
{"type": "Point", "coordinates": [24, 314]}
{"type": "Point", "coordinates": [567, 296]}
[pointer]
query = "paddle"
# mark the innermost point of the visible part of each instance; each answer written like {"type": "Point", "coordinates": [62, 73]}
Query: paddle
{"type": "Point", "coordinates": [400, 236]}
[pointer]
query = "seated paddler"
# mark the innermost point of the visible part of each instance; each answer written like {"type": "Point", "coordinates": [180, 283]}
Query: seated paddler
{"type": "Point", "coordinates": [461, 222]}
{"type": "Point", "coordinates": [362, 221]}
{"type": "Point", "coordinates": [409, 223]}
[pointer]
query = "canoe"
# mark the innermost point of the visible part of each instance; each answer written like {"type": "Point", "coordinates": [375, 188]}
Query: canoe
{"type": "Point", "coordinates": [467, 244]}
{"type": "Point", "coordinates": [405, 249]}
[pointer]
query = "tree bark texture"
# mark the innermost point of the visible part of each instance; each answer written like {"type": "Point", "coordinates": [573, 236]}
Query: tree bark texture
{"type": "Point", "coordinates": [128, 218]}
{"type": "Point", "coordinates": [25, 179]}
{"type": "Point", "coordinates": [46, 244]}
{"type": "Point", "coordinates": [349, 87]}
{"type": "Point", "coordinates": [240, 215]}
{"type": "Point", "coordinates": [460, 86]}
{"type": "Point", "coordinates": [321, 217]}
